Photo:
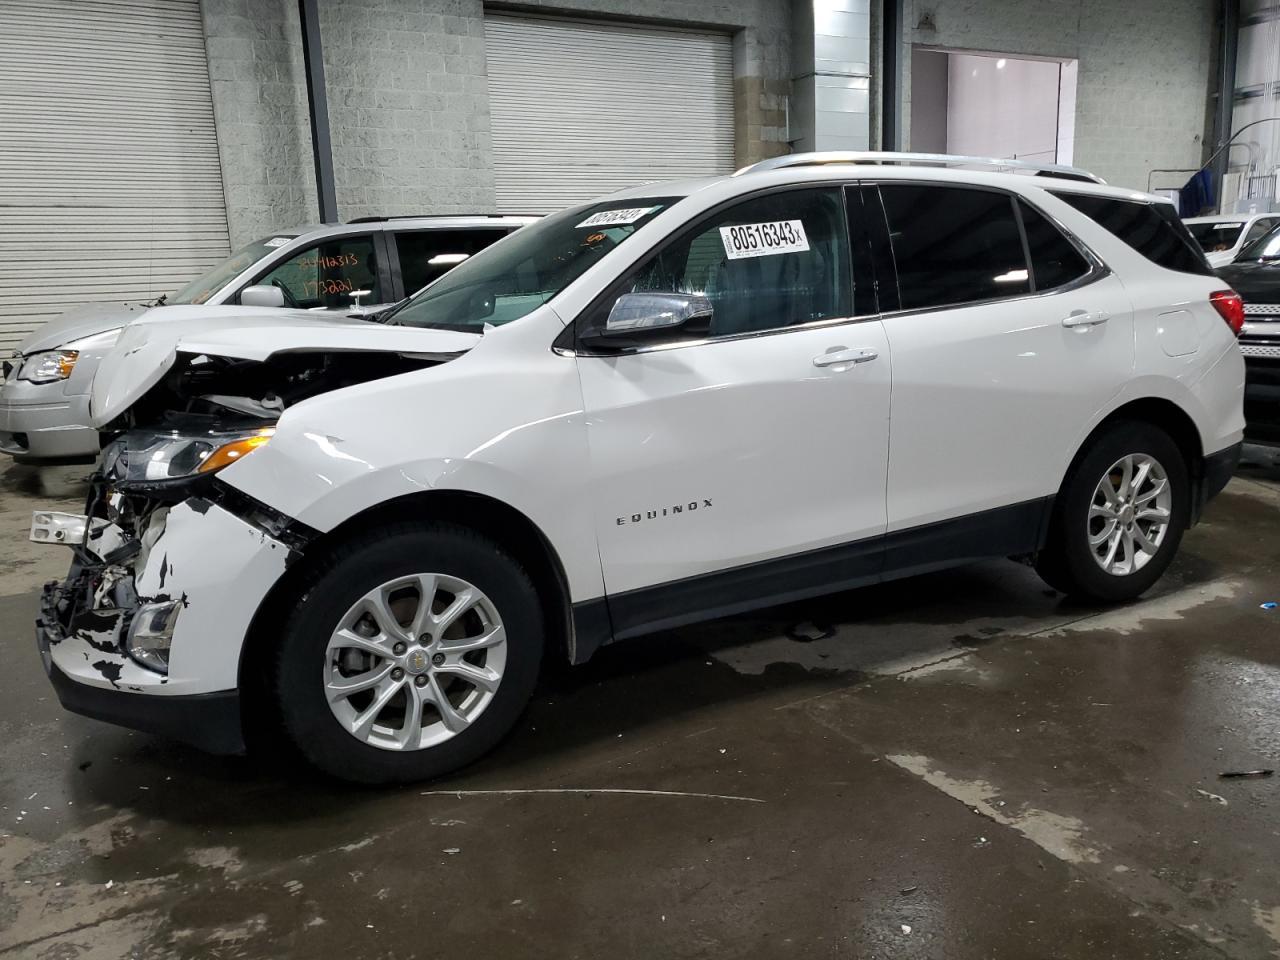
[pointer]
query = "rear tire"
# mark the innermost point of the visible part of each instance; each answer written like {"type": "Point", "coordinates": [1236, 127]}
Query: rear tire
{"type": "Point", "coordinates": [1119, 516]}
{"type": "Point", "coordinates": [374, 685]}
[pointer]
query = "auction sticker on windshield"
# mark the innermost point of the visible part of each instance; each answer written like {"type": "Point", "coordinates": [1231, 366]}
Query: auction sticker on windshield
{"type": "Point", "coordinates": [615, 218]}
{"type": "Point", "coordinates": [764, 239]}
{"type": "Point", "coordinates": [277, 241]}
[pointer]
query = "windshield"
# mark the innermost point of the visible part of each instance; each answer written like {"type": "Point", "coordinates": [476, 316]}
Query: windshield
{"type": "Point", "coordinates": [1266, 247]}
{"type": "Point", "coordinates": [1216, 235]}
{"type": "Point", "coordinates": [203, 287]}
{"type": "Point", "coordinates": [517, 275]}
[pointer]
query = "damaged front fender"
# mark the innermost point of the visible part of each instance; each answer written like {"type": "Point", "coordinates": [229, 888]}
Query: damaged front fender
{"type": "Point", "coordinates": [220, 566]}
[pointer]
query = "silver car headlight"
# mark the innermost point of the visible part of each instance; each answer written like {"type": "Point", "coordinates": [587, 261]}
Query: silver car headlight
{"type": "Point", "coordinates": [49, 366]}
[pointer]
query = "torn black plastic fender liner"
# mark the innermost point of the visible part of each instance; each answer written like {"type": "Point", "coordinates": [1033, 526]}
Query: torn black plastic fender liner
{"type": "Point", "coordinates": [278, 526]}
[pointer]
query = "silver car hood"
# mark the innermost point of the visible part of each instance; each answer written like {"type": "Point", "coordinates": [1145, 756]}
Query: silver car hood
{"type": "Point", "coordinates": [148, 348]}
{"type": "Point", "coordinates": [82, 321]}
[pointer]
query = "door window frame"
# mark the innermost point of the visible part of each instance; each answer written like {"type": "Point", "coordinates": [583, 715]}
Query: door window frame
{"type": "Point", "coordinates": [884, 254]}
{"type": "Point", "coordinates": [390, 234]}
{"type": "Point", "coordinates": [861, 273]}
{"type": "Point", "coordinates": [1246, 237]}
{"type": "Point", "coordinates": [380, 248]}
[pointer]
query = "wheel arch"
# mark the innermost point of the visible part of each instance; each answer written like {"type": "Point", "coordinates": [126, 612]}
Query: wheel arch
{"type": "Point", "coordinates": [1169, 417]}
{"type": "Point", "coordinates": [493, 518]}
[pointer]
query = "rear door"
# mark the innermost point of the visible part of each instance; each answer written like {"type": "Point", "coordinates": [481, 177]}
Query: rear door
{"type": "Point", "coordinates": [1007, 337]}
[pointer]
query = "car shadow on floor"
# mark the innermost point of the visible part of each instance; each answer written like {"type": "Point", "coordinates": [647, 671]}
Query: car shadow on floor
{"type": "Point", "coordinates": [634, 690]}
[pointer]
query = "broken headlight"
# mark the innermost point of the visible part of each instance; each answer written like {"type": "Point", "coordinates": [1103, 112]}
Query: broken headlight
{"type": "Point", "coordinates": [151, 633]}
{"type": "Point", "coordinates": [150, 457]}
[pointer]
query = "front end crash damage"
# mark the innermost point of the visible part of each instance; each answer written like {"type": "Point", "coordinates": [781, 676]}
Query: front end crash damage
{"type": "Point", "coordinates": [169, 564]}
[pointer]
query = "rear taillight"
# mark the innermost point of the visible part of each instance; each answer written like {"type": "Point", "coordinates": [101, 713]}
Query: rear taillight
{"type": "Point", "coordinates": [1230, 307]}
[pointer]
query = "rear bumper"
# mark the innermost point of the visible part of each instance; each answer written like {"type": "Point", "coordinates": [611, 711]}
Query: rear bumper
{"type": "Point", "coordinates": [1219, 468]}
{"type": "Point", "coordinates": [210, 721]}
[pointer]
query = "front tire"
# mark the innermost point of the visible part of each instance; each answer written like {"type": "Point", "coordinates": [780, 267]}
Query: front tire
{"type": "Point", "coordinates": [1120, 515]}
{"type": "Point", "coordinates": [410, 653]}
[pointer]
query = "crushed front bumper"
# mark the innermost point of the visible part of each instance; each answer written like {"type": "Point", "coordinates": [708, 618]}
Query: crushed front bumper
{"type": "Point", "coordinates": [220, 567]}
{"type": "Point", "coordinates": [210, 721]}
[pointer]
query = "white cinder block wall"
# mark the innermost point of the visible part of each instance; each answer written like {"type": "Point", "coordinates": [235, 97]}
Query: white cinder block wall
{"type": "Point", "coordinates": [1145, 71]}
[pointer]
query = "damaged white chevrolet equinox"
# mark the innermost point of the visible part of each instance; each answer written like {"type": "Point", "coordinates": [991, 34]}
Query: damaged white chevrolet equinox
{"type": "Point", "coordinates": [680, 402]}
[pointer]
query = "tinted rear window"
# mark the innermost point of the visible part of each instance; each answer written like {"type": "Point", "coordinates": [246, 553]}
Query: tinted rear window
{"type": "Point", "coordinates": [1153, 229]}
{"type": "Point", "coordinates": [1054, 259]}
{"type": "Point", "coordinates": [954, 245]}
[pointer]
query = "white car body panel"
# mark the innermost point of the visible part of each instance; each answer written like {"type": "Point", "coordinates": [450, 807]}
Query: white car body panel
{"type": "Point", "coordinates": [1011, 380]}
{"type": "Point", "coordinates": [750, 485]}
{"type": "Point", "coordinates": [371, 443]}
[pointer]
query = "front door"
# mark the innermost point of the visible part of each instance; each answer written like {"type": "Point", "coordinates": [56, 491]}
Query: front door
{"type": "Point", "coordinates": [742, 463]}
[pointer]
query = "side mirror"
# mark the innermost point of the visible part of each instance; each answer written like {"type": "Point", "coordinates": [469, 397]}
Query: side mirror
{"type": "Point", "coordinates": [635, 314]}
{"type": "Point", "coordinates": [262, 295]}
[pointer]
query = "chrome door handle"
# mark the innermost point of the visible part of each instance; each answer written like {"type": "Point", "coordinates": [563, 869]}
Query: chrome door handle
{"type": "Point", "coordinates": [1085, 318]}
{"type": "Point", "coordinates": [854, 355]}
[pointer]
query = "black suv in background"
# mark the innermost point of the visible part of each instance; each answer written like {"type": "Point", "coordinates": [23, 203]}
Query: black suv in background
{"type": "Point", "coordinates": [1255, 275]}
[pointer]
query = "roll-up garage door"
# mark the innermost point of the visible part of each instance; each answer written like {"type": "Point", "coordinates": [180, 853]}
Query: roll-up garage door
{"type": "Point", "coordinates": [583, 109]}
{"type": "Point", "coordinates": [110, 187]}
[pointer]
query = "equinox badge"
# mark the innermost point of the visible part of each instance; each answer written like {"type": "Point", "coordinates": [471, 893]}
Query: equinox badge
{"type": "Point", "coordinates": [689, 507]}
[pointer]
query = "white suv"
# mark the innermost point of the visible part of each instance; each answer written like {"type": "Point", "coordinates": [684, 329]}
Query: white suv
{"type": "Point", "coordinates": [679, 402]}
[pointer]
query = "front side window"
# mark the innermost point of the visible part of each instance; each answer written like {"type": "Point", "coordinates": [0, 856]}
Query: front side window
{"type": "Point", "coordinates": [202, 288]}
{"type": "Point", "coordinates": [508, 281]}
{"type": "Point", "coordinates": [427, 255]}
{"type": "Point", "coordinates": [1153, 229]}
{"type": "Point", "coordinates": [770, 262]}
{"type": "Point", "coordinates": [1054, 259]}
{"type": "Point", "coordinates": [327, 274]}
{"type": "Point", "coordinates": [954, 245]}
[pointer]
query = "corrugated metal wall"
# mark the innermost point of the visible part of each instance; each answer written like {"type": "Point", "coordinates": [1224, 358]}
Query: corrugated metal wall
{"type": "Point", "coordinates": [583, 109]}
{"type": "Point", "coordinates": [110, 187]}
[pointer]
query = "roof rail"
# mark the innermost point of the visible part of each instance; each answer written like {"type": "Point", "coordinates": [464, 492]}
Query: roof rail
{"type": "Point", "coordinates": [428, 216]}
{"type": "Point", "coordinates": [920, 159]}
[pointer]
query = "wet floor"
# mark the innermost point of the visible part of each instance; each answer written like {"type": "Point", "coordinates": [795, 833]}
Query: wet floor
{"type": "Point", "coordinates": [962, 765]}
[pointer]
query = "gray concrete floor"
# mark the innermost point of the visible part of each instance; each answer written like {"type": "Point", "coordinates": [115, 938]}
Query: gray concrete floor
{"type": "Point", "coordinates": [961, 765]}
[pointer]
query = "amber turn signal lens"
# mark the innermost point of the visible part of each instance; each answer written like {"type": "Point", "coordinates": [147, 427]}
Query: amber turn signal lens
{"type": "Point", "coordinates": [67, 362]}
{"type": "Point", "coordinates": [231, 452]}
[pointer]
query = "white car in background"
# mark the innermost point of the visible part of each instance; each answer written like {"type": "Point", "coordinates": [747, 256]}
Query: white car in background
{"type": "Point", "coordinates": [1222, 237]}
{"type": "Point", "coordinates": [358, 267]}
{"type": "Point", "coordinates": [679, 402]}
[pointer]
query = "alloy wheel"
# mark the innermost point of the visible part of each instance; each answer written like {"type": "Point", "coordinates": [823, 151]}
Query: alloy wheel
{"type": "Point", "coordinates": [1129, 514]}
{"type": "Point", "coordinates": [415, 661]}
